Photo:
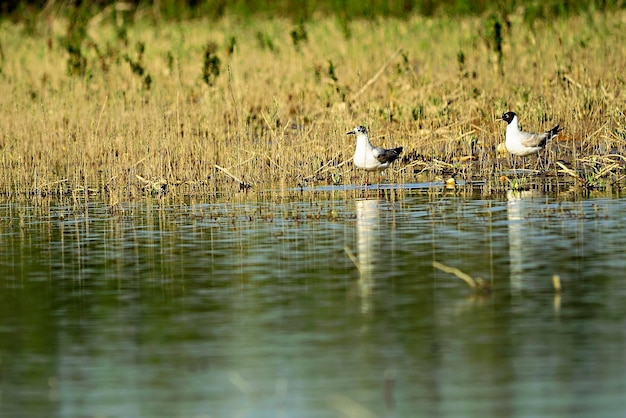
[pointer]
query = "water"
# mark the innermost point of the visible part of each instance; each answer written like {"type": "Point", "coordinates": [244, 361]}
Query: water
{"type": "Point", "coordinates": [315, 308]}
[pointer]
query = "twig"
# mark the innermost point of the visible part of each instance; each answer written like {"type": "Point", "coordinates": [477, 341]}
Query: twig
{"type": "Point", "coordinates": [52, 183]}
{"type": "Point", "coordinates": [135, 164]}
{"type": "Point", "coordinates": [568, 170]}
{"type": "Point", "coordinates": [597, 131]}
{"type": "Point", "coordinates": [458, 273]}
{"type": "Point", "coordinates": [106, 98]}
{"type": "Point", "coordinates": [269, 126]}
{"type": "Point", "coordinates": [572, 81]}
{"type": "Point", "coordinates": [376, 76]}
{"type": "Point", "coordinates": [225, 171]}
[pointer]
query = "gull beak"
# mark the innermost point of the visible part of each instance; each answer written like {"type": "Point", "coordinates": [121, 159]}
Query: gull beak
{"type": "Point", "coordinates": [350, 133]}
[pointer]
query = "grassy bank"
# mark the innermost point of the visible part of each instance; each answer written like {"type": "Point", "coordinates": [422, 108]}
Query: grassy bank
{"type": "Point", "coordinates": [210, 107]}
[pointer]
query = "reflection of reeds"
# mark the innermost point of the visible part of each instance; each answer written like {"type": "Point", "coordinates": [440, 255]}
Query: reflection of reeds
{"type": "Point", "coordinates": [352, 258]}
{"type": "Point", "coordinates": [274, 115]}
{"type": "Point", "coordinates": [348, 407]}
{"type": "Point", "coordinates": [556, 283]}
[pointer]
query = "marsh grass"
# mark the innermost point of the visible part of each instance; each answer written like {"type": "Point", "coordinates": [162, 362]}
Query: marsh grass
{"type": "Point", "coordinates": [238, 106]}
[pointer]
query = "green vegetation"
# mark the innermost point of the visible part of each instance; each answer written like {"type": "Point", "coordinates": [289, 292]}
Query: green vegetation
{"type": "Point", "coordinates": [305, 10]}
{"type": "Point", "coordinates": [104, 101]}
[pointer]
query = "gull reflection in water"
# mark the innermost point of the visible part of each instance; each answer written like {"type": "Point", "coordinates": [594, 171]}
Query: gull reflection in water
{"type": "Point", "coordinates": [520, 206]}
{"type": "Point", "coordinates": [368, 232]}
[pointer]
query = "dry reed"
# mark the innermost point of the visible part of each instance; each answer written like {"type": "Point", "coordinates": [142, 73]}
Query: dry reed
{"type": "Point", "coordinates": [275, 115]}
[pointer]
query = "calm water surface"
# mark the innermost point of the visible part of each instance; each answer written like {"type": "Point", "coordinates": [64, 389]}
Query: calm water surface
{"type": "Point", "coordinates": [316, 308]}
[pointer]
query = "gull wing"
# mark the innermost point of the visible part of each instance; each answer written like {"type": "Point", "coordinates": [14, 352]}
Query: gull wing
{"type": "Point", "coordinates": [529, 139]}
{"type": "Point", "coordinates": [384, 155]}
{"type": "Point", "coordinates": [533, 139]}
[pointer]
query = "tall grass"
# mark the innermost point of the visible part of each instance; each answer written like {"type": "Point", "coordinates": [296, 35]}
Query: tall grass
{"type": "Point", "coordinates": [221, 107]}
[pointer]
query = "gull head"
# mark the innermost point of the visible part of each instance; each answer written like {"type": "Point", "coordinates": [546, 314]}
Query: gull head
{"type": "Point", "coordinates": [508, 117]}
{"type": "Point", "coordinates": [359, 130]}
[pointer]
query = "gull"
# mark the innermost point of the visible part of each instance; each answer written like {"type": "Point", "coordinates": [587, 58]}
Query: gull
{"type": "Point", "coordinates": [525, 143]}
{"type": "Point", "coordinates": [371, 158]}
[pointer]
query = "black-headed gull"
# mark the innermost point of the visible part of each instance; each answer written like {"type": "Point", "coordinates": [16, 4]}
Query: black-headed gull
{"type": "Point", "coordinates": [525, 143]}
{"type": "Point", "coordinates": [367, 156]}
